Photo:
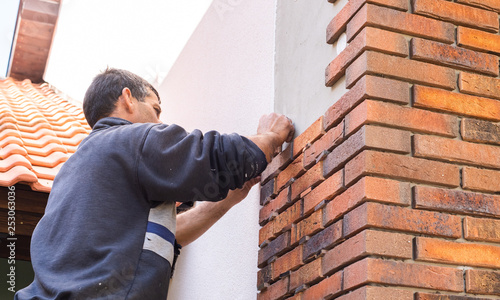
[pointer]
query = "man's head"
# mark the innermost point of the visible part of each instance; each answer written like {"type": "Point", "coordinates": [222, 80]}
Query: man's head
{"type": "Point", "coordinates": [120, 93]}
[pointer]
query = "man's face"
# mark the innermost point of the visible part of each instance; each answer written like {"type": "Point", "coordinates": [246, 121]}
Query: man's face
{"type": "Point", "coordinates": [149, 110]}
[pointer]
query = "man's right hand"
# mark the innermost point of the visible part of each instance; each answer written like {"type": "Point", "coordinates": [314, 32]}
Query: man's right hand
{"type": "Point", "coordinates": [277, 124]}
{"type": "Point", "coordinates": [273, 130]}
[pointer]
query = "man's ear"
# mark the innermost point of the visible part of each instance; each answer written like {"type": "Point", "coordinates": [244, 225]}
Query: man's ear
{"type": "Point", "coordinates": [126, 100]}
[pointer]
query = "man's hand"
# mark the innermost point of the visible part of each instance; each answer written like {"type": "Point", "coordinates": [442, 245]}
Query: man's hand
{"type": "Point", "coordinates": [235, 196]}
{"type": "Point", "coordinates": [274, 129]}
{"type": "Point", "coordinates": [276, 124]}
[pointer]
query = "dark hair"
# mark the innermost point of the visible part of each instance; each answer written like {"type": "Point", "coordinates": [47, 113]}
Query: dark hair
{"type": "Point", "coordinates": [102, 94]}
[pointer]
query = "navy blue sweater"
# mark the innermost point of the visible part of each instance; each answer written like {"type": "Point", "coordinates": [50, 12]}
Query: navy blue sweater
{"type": "Point", "coordinates": [109, 225]}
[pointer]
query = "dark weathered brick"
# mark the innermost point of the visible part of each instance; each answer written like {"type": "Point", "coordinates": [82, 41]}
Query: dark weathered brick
{"type": "Point", "coordinates": [480, 131]}
{"type": "Point", "coordinates": [264, 276]}
{"type": "Point", "coordinates": [266, 191]}
{"type": "Point", "coordinates": [323, 239]}
{"type": "Point", "coordinates": [457, 201]}
{"type": "Point", "coordinates": [482, 282]}
{"type": "Point", "coordinates": [275, 247]}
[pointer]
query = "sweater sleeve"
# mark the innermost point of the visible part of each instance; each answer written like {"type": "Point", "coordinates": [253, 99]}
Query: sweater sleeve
{"type": "Point", "coordinates": [174, 165]}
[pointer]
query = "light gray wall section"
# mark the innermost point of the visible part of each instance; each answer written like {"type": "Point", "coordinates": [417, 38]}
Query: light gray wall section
{"type": "Point", "coordinates": [302, 55]}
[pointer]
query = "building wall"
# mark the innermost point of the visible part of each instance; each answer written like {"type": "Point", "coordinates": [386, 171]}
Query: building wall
{"type": "Point", "coordinates": [301, 56]}
{"type": "Point", "coordinates": [223, 80]}
{"type": "Point", "coordinates": [392, 193]}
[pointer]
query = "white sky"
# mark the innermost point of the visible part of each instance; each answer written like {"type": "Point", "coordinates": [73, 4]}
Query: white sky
{"type": "Point", "coordinates": [143, 36]}
{"type": "Point", "coordinates": [8, 16]}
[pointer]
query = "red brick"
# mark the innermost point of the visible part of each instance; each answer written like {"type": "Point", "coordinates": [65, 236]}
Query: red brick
{"type": "Point", "coordinates": [378, 293]}
{"type": "Point", "coordinates": [403, 117]}
{"type": "Point", "coordinates": [275, 206]}
{"type": "Point", "coordinates": [330, 286]}
{"type": "Point", "coordinates": [457, 13]}
{"type": "Point", "coordinates": [480, 131]}
{"type": "Point", "coordinates": [478, 40]}
{"type": "Point", "coordinates": [311, 134]}
{"type": "Point", "coordinates": [278, 163]}
{"type": "Point", "coordinates": [388, 272]}
{"type": "Point", "coordinates": [376, 215]}
{"type": "Point", "coordinates": [368, 189]}
{"type": "Point", "coordinates": [275, 291]}
{"type": "Point", "coordinates": [368, 137]}
{"type": "Point", "coordinates": [480, 180]}
{"type": "Point", "coordinates": [333, 137]}
{"type": "Point", "coordinates": [368, 242]}
{"type": "Point", "coordinates": [487, 4]}
{"type": "Point", "coordinates": [287, 262]}
{"type": "Point", "coordinates": [306, 274]}
{"type": "Point", "coordinates": [284, 220]}
{"type": "Point", "coordinates": [276, 247]}
{"type": "Point", "coordinates": [424, 296]}
{"type": "Point", "coordinates": [468, 254]}
{"type": "Point", "coordinates": [325, 191]}
{"type": "Point", "coordinates": [295, 297]}
{"type": "Point", "coordinates": [281, 223]}
{"type": "Point", "coordinates": [401, 167]}
{"type": "Point", "coordinates": [456, 151]}
{"type": "Point", "coordinates": [308, 226]}
{"type": "Point", "coordinates": [264, 276]}
{"type": "Point", "coordinates": [457, 201]}
{"type": "Point", "coordinates": [310, 179]}
{"type": "Point", "coordinates": [323, 240]}
{"type": "Point", "coordinates": [294, 170]}
{"type": "Point", "coordinates": [485, 230]}
{"type": "Point", "coordinates": [368, 39]}
{"type": "Point", "coordinates": [367, 87]}
{"type": "Point", "coordinates": [479, 85]}
{"type": "Point", "coordinates": [407, 23]}
{"type": "Point", "coordinates": [452, 56]}
{"type": "Point", "coordinates": [482, 282]}
{"type": "Point", "coordinates": [456, 103]}
{"type": "Point", "coordinates": [339, 22]}
{"type": "Point", "coordinates": [401, 68]}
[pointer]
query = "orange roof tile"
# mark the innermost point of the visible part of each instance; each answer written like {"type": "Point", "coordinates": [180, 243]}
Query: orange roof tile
{"type": "Point", "coordinates": [39, 130]}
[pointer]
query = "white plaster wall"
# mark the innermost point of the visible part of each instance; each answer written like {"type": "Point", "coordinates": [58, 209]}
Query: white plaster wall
{"type": "Point", "coordinates": [302, 55]}
{"type": "Point", "coordinates": [223, 80]}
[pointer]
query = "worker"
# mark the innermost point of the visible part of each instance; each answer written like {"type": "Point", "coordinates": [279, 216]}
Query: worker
{"type": "Point", "coordinates": [110, 229]}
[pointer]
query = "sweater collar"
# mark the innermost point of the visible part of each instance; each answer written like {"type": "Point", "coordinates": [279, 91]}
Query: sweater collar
{"type": "Point", "coordinates": [108, 122]}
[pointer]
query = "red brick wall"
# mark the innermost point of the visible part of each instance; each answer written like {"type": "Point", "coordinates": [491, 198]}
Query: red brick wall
{"type": "Point", "coordinates": [394, 193]}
